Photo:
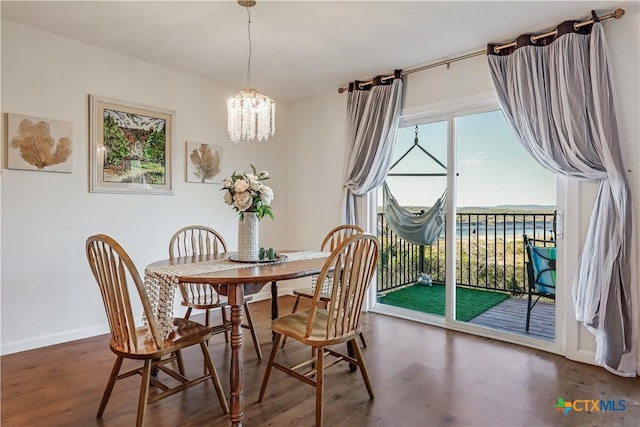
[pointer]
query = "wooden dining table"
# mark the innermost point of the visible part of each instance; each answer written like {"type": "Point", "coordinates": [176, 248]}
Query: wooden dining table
{"type": "Point", "coordinates": [234, 280]}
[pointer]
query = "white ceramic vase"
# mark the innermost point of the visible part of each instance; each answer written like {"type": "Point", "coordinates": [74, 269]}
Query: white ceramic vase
{"type": "Point", "coordinates": [248, 249]}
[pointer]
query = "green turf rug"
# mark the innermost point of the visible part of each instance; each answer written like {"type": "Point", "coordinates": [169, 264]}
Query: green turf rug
{"type": "Point", "coordinates": [430, 299]}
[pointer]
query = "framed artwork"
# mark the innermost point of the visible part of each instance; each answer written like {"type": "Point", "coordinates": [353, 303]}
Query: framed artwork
{"type": "Point", "coordinates": [204, 163]}
{"type": "Point", "coordinates": [130, 148]}
{"type": "Point", "coordinates": [39, 144]}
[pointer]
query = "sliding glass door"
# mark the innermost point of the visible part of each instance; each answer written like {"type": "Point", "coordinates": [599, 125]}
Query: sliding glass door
{"type": "Point", "coordinates": [412, 271]}
{"type": "Point", "coordinates": [502, 195]}
{"type": "Point", "coordinates": [474, 271]}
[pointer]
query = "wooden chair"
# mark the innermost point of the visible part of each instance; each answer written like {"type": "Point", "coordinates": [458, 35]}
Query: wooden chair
{"type": "Point", "coordinates": [351, 265]}
{"type": "Point", "coordinates": [330, 242]}
{"type": "Point", "coordinates": [201, 240]}
{"type": "Point", "coordinates": [111, 265]}
{"type": "Point", "coordinates": [541, 272]}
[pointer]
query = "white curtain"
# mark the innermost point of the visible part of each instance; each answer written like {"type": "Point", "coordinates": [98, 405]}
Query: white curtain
{"type": "Point", "coordinates": [372, 122]}
{"type": "Point", "coordinates": [559, 100]}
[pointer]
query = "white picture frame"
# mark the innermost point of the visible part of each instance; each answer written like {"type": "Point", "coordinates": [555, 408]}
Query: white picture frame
{"type": "Point", "coordinates": [131, 147]}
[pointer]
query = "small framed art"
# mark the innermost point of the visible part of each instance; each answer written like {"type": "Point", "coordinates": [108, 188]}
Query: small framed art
{"type": "Point", "coordinates": [39, 144]}
{"type": "Point", "coordinates": [204, 163]}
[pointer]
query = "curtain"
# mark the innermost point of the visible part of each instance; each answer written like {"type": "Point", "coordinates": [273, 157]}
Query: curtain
{"type": "Point", "coordinates": [558, 97]}
{"type": "Point", "coordinates": [372, 121]}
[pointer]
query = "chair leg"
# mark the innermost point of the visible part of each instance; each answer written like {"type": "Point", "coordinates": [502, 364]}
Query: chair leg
{"type": "Point", "coordinates": [214, 377]}
{"type": "Point", "coordinates": [319, 386]}
{"type": "Point", "coordinates": [144, 393]}
{"type": "Point", "coordinates": [267, 372]}
{"type": "Point", "coordinates": [223, 312]}
{"type": "Point", "coordinates": [528, 310]}
{"type": "Point", "coordinates": [295, 308]}
{"type": "Point", "coordinates": [180, 362]}
{"type": "Point", "coordinates": [109, 388]}
{"type": "Point", "coordinates": [364, 343]}
{"type": "Point", "coordinates": [187, 314]}
{"type": "Point", "coordinates": [314, 353]}
{"type": "Point", "coordinates": [363, 368]}
{"type": "Point", "coordinates": [252, 329]}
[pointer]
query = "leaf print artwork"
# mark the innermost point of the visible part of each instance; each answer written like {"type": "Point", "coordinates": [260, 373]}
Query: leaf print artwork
{"type": "Point", "coordinates": [204, 163]}
{"type": "Point", "coordinates": [39, 144]}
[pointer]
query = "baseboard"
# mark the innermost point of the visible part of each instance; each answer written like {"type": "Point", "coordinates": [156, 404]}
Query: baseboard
{"type": "Point", "coordinates": [52, 339]}
{"type": "Point", "coordinates": [62, 337]}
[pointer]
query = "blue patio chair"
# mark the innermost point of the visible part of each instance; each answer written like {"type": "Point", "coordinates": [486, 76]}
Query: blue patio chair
{"type": "Point", "coordinates": [541, 272]}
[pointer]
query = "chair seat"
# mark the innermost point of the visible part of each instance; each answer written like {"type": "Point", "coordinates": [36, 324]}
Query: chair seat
{"type": "Point", "coordinates": [210, 302]}
{"type": "Point", "coordinates": [294, 325]}
{"type": "Point", "coordinates": [185, 333]}
{"type": "Point", "coordinates": [308, 293]}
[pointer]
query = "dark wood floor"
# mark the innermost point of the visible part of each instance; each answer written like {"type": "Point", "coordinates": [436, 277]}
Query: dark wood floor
{"type": "Point", "coordinates": [422, 376]}
{"type": "Point", "coordinates": [511, 316]}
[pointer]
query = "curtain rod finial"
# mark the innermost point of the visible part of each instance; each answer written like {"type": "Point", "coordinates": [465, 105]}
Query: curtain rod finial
{"type": "Point", "coordinates": [618, 13]}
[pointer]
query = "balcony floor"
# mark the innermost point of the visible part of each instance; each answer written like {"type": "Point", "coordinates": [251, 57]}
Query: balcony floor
{"type": "Point", "coordinates": [511, 316]}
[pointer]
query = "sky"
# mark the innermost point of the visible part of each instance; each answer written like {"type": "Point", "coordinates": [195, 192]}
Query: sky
{"type": "Point", "coordinates": [493, 168]}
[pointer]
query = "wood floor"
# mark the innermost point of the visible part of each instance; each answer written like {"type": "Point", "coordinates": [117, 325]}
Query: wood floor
{"type": "Point", "coordinates": [511, 316]}
{"type": "Point", "coordinates": [422, 376]}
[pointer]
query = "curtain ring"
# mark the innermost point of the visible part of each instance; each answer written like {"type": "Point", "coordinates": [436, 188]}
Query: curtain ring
{"type": "Point", "coordinates": [575, 28]}
{"type": "Point", "coordinates": [533, 41]}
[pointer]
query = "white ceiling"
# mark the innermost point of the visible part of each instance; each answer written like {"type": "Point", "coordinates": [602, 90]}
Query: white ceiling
{"type": "Point", "coordinates": [300, 48]}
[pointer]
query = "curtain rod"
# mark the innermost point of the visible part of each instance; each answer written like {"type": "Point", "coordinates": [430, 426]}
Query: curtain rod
{"type": "Point", "coordinates": [617, 14]}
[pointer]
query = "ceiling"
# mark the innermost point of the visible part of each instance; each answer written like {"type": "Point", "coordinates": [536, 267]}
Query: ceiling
{"type": "Point", "coordinates": [300, 48]}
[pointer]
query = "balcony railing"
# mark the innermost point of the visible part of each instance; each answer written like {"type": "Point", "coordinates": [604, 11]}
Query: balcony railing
{"type": "Point", "coordinates": [489, 252]}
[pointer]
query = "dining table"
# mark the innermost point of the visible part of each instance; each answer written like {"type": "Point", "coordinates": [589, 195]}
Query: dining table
{"type": "Point", "coordinates": [234, 280]}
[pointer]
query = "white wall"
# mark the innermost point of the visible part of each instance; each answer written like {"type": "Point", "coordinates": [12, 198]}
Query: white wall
{"type": "Point", "coordinates": [48, 293]}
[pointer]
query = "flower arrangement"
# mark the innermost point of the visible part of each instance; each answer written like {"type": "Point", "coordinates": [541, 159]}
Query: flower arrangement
{"type": "Point", "coordinates": [246, 192]}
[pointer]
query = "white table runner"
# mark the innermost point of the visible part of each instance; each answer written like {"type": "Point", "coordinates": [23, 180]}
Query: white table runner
{"type": "Point", "coordinates": [161, 281]}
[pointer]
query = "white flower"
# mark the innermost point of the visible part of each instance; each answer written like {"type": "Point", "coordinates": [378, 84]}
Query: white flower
{"type": "Point", "coordinates": [228, 199]}
{"type": "Point", "coordinates": [243, 200]}
{"type": "Point", "coordinates": [266, 195]}
{"type": "Point", "coordinates": [256, 186]}
{"type": "Point", "coordinates": [241, 185]}
{"type": "Point", "coordinates": [247, 192]}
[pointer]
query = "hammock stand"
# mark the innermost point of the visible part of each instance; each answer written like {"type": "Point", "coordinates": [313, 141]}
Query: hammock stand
{"type": "Point", "coordinates": [422, 228]}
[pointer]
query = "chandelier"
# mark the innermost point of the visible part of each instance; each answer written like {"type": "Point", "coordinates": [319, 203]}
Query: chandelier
{"type": "Point", "coordinates": [250, 115]}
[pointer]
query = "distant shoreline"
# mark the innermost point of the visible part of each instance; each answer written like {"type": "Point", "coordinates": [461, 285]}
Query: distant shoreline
{"type": "Point", "coordinates": [488, 210]}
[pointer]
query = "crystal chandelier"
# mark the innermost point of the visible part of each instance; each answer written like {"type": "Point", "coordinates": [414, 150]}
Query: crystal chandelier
{"type": "Point", "coordinates": [251, 115]}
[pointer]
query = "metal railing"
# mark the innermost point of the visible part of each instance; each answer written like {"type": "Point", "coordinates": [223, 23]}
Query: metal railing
{"type": "Point", "coordinates": [489, 251]}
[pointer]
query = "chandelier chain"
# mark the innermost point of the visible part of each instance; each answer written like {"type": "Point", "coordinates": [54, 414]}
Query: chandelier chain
{"type": "Point", "coordinates": [249, 35]}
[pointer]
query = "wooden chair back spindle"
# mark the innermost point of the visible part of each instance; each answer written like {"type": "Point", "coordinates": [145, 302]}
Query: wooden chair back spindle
{"type": "Point", "coordinates": [352, 265]}
{"type": "Point", "coordinates": [110, 265]}
{"type": "Point", "coordinates": [195, 240]}
{"type": "Point", "coordinates": [338, 235]}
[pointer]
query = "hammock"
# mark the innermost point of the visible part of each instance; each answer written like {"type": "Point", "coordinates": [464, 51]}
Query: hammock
{"type": "Point", "coordinates": [419, 229]}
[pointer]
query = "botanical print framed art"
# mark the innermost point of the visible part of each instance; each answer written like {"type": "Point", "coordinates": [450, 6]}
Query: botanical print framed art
{"type": "Point", "coordinates": [130, 148]}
